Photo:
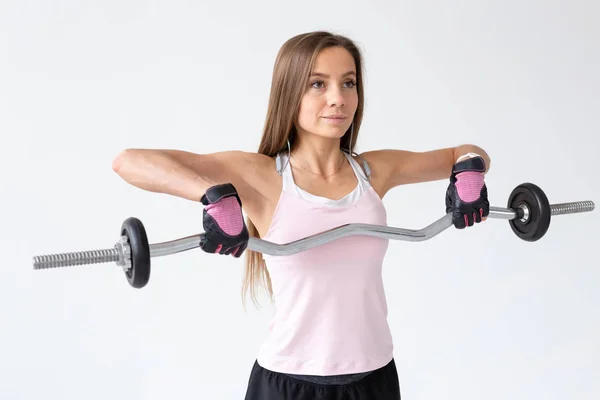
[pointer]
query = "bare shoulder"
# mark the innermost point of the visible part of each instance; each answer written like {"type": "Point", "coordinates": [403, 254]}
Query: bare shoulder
{"type": "Point", "coordinates": [395, 167]}
{"type": "Point", "coordinates": [254, 176]}
{"type": "Point", "coordinates": [261, 173]}
{"type": "Point", "coordinates": [254, 173]}
{"type": "Point", "coordinates": [234, 166]}
{"type": "Point", "coordinates": [380, 168]}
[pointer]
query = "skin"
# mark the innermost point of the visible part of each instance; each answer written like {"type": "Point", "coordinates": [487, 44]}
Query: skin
{"type": "Point", "coordinates": [318, 165]}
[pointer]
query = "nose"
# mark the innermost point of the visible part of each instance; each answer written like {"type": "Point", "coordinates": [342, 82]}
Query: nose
{"type": "Point", "coordinates": [335, 97]}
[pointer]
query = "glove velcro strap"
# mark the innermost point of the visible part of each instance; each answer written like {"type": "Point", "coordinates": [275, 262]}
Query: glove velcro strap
{"type": "Point", "coordinates": [216, 193]}
{"type": "Point", "coordinates": [471, 164]}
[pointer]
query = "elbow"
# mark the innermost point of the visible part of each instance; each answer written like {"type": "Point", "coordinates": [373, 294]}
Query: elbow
{"type": "Point", "coordinates": [120, 159]}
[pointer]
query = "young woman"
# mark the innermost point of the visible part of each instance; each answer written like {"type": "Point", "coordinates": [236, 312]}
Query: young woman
{"type": "Point", "coordinates": [329, 337]}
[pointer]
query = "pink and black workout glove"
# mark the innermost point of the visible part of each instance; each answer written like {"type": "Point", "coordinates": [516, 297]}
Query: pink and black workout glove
{"type": "Point", "coordinates": [224, 229]}
{"type": "Point", "coordinates": [467, 196]}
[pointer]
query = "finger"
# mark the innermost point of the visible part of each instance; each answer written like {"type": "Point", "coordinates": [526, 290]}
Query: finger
{"type": "Point", "coordinates": [485, 211]}
{"type": "Point", "coordinates": [470, 219]}
{"type": "Point", "coordinates": [225, 250]}
{"type": "Point", "coordinates": [459, 221]}
{"type": "Point", "coordinates": [240, 250]}
{"type": "Point", "coordinates": [208, 245]}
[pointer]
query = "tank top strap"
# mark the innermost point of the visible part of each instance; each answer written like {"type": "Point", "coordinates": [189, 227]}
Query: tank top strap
{"type": "Point", "coordinates": [363, 173]}
{"type": "Point", "coordinates": [282, 163]}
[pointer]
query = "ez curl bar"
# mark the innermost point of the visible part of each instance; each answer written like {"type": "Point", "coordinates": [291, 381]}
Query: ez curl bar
{"type": "Point", "coordinates": [528, 214]}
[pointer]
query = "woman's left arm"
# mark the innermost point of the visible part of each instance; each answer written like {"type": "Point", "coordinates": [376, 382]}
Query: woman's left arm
{"type": "Point", "coordinates": [465, 167]}
{"type": "Point", "coordinates": [393, 168]}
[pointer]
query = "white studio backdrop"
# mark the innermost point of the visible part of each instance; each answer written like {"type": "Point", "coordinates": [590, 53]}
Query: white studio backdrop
{"type": "Point", "coordinates": [475, 314]}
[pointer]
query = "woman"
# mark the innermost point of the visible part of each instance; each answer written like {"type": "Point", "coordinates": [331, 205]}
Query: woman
{"type": "Point", "coordinates": [329, 337]}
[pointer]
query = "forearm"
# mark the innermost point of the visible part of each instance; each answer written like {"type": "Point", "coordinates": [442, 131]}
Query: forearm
{"type": "Point", "coordinates": [470, 148]}
{"type": "Point", "coordinates": [156, 171]}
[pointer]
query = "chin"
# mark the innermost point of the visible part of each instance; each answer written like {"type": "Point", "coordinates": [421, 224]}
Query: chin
{"type": "Point", "coordinates": [328, 132]}
{"type": "Point", "coordinates": [332, 132]}
{"type": "Point", "coordinates": [331, 135]}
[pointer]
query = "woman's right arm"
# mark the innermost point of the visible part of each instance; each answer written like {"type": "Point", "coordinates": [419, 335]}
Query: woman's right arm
{"type": "Point", "coordinates": [183, 174]}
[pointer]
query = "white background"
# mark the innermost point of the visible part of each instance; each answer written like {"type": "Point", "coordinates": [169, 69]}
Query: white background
{"type": "Point", "coordinates": [475, 314]}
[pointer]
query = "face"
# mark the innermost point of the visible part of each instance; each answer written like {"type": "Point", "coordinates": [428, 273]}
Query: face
{"type": "Point", "coordinates": [331, 99]}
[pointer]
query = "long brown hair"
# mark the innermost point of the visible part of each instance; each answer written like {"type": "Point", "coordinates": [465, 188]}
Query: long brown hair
{"type": "Point", "coordinates": [291, 72]}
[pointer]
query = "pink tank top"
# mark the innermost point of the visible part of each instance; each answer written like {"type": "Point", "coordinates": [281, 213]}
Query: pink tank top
{"type": "Point", "coordinates": [330, 309]}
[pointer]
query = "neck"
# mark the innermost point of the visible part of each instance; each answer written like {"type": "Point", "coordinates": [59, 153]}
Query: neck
{"type": "Point", "coordinates": [321, 156]}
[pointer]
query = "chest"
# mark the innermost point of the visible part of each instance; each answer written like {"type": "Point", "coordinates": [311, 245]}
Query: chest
{"type": "Point", "coordinates": [333, 189]}
{"type": "Point", "coordinates": [296, 219]}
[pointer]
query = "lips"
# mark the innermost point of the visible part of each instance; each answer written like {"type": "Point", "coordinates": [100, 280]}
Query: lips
{"type": "Point", "coordinates": [335, 120]}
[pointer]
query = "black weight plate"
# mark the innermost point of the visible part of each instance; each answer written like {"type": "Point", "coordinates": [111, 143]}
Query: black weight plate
{"type": "Point", "coordinates": [538, 222]}
{"type": "Point", "coordinates": [139, 273]}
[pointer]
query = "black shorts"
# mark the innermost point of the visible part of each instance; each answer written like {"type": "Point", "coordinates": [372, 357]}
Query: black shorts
{"type": "Point", "coordinates": [381, 384]}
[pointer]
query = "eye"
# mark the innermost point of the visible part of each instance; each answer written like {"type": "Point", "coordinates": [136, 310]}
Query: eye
{"type": "Point", "coordinates": [350, 84]}
{"type": "Point", "coordinates": [317, 82]}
